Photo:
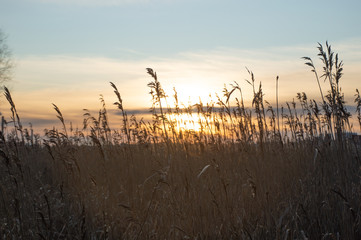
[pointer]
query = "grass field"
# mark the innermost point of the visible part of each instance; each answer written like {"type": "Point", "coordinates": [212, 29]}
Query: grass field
{"type": "Point", "coordinates": [208, 171]}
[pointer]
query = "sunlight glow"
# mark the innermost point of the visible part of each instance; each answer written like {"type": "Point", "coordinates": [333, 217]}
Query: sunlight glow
{"type": "Point", "coordinates": [187, 122]}
{"type": "Point", "coordinates": [191, 94]}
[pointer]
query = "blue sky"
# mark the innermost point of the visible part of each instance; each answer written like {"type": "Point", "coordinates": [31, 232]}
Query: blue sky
{"type": "Point", "coordinates": [67, 51]}
{"type": "Point", "coordinates": [123, 29]}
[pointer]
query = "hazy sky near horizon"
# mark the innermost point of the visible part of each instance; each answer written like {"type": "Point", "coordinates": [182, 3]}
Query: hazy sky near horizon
{"type": "Point", "coordinates": [67, 51]}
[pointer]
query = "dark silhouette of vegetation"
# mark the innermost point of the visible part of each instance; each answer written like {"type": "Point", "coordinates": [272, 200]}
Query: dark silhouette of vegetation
{"type": "Point", "coordinates": [6, 63]}
{"type": "Point", "coordinates": [245, 172]}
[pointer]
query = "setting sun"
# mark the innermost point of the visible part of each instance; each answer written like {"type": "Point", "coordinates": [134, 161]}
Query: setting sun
{"type": "Point", "coordinates": [193, 93]}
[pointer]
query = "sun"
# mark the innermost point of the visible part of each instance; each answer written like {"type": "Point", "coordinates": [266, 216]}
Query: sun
{"type": "Point", "coordinates": [189, 93]}
{"type": "Point", "coordinates": [193, 94]}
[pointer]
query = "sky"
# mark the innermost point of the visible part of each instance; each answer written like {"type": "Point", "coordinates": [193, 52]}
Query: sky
{"type": "Point", "coordinates": [67, 51]}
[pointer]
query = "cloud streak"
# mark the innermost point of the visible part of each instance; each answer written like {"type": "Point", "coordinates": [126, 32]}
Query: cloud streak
{"type": "Point", "coordinates": [75, 83]}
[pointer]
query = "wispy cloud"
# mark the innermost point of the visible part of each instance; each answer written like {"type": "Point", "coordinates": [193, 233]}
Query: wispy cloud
{"type": "Point", "coordinates": [75, 83]}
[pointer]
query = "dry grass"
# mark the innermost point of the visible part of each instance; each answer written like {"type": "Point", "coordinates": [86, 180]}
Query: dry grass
{"type": "Point", "coordinates": [241, 176]}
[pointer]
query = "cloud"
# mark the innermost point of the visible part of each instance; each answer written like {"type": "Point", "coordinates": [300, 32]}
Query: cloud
{"type": "Point", "coordinates": [75, 83]}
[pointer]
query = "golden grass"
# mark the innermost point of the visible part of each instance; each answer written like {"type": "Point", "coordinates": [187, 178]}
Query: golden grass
{"type": "Point", "coordinates": [238, 176]}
